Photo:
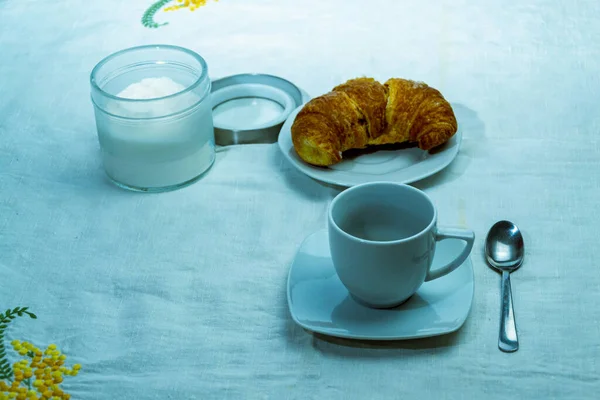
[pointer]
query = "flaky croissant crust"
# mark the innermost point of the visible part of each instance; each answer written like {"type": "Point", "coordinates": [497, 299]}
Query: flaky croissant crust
{"type": "Point", "coordinates": [362, 112]}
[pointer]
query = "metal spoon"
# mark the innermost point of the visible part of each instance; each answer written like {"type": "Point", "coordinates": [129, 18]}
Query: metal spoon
{"type": "Point", "coordinates": [504, 251]}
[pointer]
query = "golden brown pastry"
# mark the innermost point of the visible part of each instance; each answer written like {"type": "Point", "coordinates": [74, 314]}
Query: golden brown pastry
{"type": "Point", "coordinates": [362, 112]}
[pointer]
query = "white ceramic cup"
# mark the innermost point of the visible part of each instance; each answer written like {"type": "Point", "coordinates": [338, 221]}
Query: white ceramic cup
{"type": "Point", "coordinates": [382, 237]}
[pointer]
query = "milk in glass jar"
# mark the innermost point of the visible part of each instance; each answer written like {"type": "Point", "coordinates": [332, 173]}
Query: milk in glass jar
{"type": "Point", "coordinates": [154, 117]}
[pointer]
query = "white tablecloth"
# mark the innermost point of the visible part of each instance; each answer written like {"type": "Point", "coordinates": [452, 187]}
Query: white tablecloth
{"type": "Point", "coordinates": [181, 295]}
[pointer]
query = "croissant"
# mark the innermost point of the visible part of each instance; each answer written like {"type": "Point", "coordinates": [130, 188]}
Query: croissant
{"type": "Point", "coordinates": [362, 112]}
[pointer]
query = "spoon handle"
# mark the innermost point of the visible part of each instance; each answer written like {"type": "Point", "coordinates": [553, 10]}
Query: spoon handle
{"type": "Point", "coordinates": [507, 340]}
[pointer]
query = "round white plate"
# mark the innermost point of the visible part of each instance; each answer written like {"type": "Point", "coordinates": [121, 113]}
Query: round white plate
{"type": "Point", "coordinates": [403, 166]}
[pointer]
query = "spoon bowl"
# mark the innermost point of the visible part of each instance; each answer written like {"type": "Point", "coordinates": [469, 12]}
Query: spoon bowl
{"type": "Point", "coordinates": [504, 247]}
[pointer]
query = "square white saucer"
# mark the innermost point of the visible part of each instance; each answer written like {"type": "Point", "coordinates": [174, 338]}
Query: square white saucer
{"type": "Point", "coordinates": [319, 302]}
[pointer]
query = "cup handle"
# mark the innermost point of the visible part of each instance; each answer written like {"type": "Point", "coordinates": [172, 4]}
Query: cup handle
{"type": "Point", "coordinates": [452, 233]}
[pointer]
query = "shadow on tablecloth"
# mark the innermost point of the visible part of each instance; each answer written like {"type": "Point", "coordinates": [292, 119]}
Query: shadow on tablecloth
{"type": "Point", "coordinates": [473, 130]}
{"type": "Point", "coordinates": [301, 183]}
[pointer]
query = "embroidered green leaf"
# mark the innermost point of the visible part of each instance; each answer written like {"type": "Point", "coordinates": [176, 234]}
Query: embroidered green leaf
{"type": "Point", "coordinates": [6, 373]}
{"type": "Point", "coordinates": [148, 16]}
{"type": "Point", "coordinates": [9, 315]}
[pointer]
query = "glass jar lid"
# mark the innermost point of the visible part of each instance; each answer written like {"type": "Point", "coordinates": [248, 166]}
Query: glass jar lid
{"type": "Point", "coordinates": [251, 108]}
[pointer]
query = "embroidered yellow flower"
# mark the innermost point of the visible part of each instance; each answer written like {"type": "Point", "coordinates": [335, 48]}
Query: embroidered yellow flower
{"type": "Point", "coordinates": [191, 4]}
{"type": "Point", "coordinates": [37, 377]}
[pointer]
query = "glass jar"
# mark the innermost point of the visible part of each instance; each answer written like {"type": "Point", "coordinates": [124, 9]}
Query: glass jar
{"type": "Point", "coordinates": [152, 141]}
